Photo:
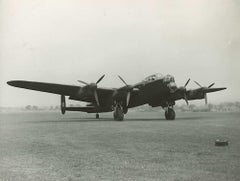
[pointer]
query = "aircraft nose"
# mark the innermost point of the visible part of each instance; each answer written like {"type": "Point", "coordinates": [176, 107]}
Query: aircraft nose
{"type": "Point", "coordinates": [10, 82]}
{"type": "Point", "coordinates": [172, 86]}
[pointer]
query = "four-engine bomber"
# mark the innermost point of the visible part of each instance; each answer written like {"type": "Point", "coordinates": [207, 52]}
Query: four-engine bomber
{"type": "Point", "coordinates": [155, 90]}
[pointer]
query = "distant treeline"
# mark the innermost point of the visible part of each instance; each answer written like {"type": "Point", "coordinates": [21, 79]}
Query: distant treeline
{"type": "Point", "coordinates": [222, 107]}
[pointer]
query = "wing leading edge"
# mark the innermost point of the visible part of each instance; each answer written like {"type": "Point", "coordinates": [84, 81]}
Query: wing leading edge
{"type": "Point", "coordinates": [60, 89]}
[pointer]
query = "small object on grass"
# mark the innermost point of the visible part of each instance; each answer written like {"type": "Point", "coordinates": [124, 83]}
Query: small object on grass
{"type": "Point", "coordinates": [221, 142]}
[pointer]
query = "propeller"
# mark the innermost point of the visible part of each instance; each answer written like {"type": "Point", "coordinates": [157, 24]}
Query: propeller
{"type": "Point", "coordinates": [204, 90]}
{"type": "Point", "coordinates": [187, 83]}
{"type": "Point", "coordinates": [184, 91]}
{"type": "Point", "coordinates": [185, 98]}
{"type": "Point", "coordinates": [211, 85]}
{"type": "Point", "coordinates": [93, 88]}
{"type": "Point", "coordinates": [100, 79]}
{"type": "Point", "coordinates": [202, 86]}
{"type": "Point", "coordinates": [83, 82]}
{"type": "Point", "coordinates": [122, 80]}
{"type": "Point", "coordinates": [198, 84]}
{"type": "Point", "coordinates": [129, 89]}
{"type": "Point", "coordinates": [205, 98]}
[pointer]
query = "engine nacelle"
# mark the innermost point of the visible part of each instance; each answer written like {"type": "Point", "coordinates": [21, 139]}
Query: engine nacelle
{"type": "Point", "coordinates": [195, 94]}
{"type": "Point", "coordinates": [63, 104]}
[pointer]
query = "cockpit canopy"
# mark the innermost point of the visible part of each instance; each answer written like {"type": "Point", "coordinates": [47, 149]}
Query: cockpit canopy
{"type": "Point", "coordinates": [153, 77]}
{"type": "Point", "coordinates": [166, 78]}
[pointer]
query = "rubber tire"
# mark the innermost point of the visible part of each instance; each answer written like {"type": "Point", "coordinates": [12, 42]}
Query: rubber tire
{"type": "Point", "coordinates": [170, 114]}
{"type": "Point", "coordinates": [118, 114]}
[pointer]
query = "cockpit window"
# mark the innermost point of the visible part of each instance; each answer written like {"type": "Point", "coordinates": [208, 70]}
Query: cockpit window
{"type": "Point", "coordinates": [168, 78]}
{"type": "Point", "coordinates": [153, 77]}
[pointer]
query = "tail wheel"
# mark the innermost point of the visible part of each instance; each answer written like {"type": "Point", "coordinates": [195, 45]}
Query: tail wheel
{"type": "Point", "coordinates": [63, 104]}
{"type": "Point", "coordinates": [97, 116]}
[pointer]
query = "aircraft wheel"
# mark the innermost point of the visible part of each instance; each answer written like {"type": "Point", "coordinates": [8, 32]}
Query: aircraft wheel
{"type": "Point", "coordinates": [118, 117]}
{"type": "Point", "coordinates": [170, 114]}
{"type": "Point", "coordinates": [97, 116]}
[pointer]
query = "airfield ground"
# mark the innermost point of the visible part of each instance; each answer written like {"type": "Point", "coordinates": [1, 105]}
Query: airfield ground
{"type": "Point", "coordinates": [76, 146]}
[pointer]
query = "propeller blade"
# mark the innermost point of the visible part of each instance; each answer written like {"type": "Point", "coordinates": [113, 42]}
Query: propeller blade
{"type": "Point", "coordinates": [205, 97]}
{"type": "Point", "coordinates": [128, 98]}
{"type": "Point", "coordinates": [187, 83]}
{"type": "Point", "coordinates": [83, 82]}
{"type": "Point", "coordinates": [122, 80]}
{"type": "Point", "coordinates": [185, 98]}
{"type": "Point", "coordinates": [96, 97]}
{"type": "Point", "coordinates": [211, 85]}
{"type": "Point", "coordinates": [99, 80]}
{"type": "Point", "coordinates": [198, 84]}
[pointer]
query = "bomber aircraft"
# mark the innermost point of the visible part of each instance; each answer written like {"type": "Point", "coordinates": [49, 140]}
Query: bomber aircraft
{"type": "Point", "coordinates": [155, 90]}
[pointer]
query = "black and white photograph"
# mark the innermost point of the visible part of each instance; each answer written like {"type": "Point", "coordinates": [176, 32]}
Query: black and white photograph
{"type": "Point", "coordinates": [108, 90]}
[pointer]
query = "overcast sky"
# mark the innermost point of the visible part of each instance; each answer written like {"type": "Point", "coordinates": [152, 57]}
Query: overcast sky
{"type": "Point", "coordinates": [61, 41]}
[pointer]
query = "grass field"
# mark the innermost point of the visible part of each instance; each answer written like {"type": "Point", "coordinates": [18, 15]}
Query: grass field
{"type": "Point", "coordinates": [49, 146]}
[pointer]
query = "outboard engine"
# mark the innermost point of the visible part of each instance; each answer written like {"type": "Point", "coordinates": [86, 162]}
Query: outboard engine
{"type": "Point", "coordinates": [63, 104]}
{"type": "Point", "coordinates": [196, 94]}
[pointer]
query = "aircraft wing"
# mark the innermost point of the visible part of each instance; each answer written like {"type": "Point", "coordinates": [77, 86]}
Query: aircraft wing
{"type": "Point", "coordinates": [61, 89]}
{"type": "Point", "coordinates": [201, 93]}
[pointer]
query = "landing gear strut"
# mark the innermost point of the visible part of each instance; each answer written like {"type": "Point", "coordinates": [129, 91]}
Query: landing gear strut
{"type": "Point", "coordinates": [63, 104]}
{"type": "Point", "coordinates": [170, 114]}
{"type": "Point", "coordinates": [118, 114]}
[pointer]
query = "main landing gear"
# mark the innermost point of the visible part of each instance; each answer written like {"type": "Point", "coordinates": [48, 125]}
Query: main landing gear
{"type": "Point", "coordinates": [170, 114]}
{"type": "Point", "coordinates": [118, 113]}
